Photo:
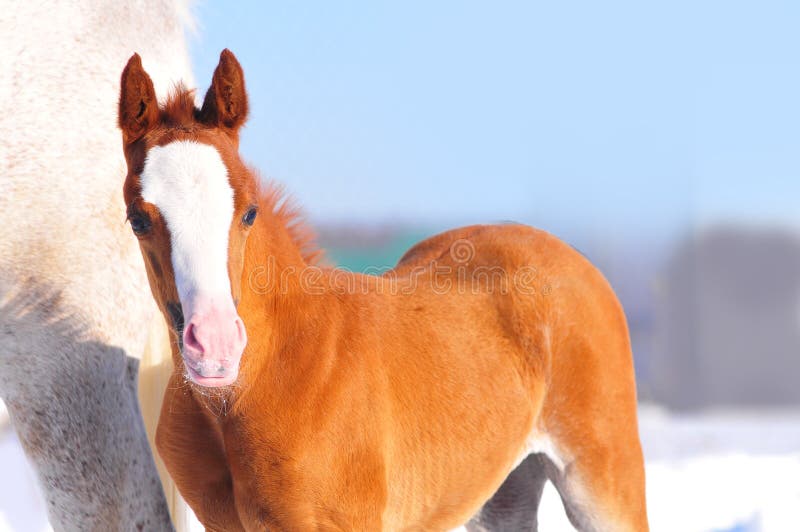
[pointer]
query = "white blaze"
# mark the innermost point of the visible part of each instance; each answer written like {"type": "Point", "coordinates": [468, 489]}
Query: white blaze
{"type": "Point", "coordinates": [188, 183]}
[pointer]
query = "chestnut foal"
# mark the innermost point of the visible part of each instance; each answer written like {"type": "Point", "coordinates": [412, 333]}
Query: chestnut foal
{"type": "Point", "coordinates": [307, 398]}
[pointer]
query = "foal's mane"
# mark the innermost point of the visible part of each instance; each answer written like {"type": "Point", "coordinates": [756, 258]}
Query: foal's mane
{"type": "Point", "coordinates": [288, 214]}
{"type": "Point", "coordinates": [180, 111]}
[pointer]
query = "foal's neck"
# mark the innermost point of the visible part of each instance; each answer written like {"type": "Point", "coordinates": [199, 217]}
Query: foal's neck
{"type": "Point", "coordinates": [274, 303]}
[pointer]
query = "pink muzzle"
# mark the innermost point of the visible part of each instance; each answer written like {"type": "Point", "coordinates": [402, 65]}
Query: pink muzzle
{"type": "Point", "coordinates": [213, 341]}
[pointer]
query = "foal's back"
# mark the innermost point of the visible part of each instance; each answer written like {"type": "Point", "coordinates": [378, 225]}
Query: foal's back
{"type": "Point", "coordinates": [516, 346]}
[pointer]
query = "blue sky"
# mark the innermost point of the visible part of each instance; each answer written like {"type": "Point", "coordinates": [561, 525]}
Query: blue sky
{"type": "Point", "coordinates": [623, 116]}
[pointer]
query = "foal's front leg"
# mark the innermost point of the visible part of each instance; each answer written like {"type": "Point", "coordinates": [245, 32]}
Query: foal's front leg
{"type": "Point", "coordinates": [194, 455]}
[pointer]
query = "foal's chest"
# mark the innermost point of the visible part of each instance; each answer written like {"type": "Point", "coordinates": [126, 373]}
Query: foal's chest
{"type": "Point", "coordinates": [306, 487]}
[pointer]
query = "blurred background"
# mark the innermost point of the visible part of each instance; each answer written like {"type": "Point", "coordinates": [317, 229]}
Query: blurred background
{"type": "Point", "coordinates": [660, 139]}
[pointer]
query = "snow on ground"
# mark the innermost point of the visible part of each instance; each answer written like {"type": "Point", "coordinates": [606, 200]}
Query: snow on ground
{"type": "Point", "coordinates": [722, 471]}
{"type": "Point", "coordinates": [710, 472]}
{"type": "Point", "coordinates": [22, 508]}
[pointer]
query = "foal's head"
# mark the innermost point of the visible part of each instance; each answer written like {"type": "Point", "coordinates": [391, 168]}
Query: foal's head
{"type": "Point", "coordinates": [191, 202]}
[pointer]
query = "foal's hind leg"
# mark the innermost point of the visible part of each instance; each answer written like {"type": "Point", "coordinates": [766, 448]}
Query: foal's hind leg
{"type": "Point", "coordinates": [602, 489]}
{"type": "Point", "coordinates": [514, 506]}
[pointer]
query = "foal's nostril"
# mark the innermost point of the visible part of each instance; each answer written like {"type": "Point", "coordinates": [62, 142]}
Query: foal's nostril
{"type": "Point", "coordinates": [190, 338]}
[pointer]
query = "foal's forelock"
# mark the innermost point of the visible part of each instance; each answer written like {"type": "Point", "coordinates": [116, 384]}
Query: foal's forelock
{"type": "Point", "coordinates": [188, 183]}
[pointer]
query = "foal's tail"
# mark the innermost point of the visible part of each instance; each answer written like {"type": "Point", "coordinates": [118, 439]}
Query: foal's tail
{"type": "Point", "coordinates": [155, 370]}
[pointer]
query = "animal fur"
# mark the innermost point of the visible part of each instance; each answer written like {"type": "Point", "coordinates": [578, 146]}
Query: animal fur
{"type": "Point", "coordinates": [74, 314]}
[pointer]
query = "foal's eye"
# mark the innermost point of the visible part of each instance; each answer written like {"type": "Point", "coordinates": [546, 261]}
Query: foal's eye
{"type": "Point", "coordinates": [249, 217]}
{"type": "Point", "coordinates": [139, 223]}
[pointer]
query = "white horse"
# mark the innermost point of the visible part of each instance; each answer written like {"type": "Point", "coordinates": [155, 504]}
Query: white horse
{"type": "Point", "coordinates": [71, 332]}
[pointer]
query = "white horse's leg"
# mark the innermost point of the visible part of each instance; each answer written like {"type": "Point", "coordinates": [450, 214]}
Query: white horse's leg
{"type": "Point", "coordinates": [73, 403]}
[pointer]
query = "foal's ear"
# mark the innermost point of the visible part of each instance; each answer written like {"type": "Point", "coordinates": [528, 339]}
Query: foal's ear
{"type": "Point", "coordinates": [138, 108]}
{"type": "Point", "coordinates": [225, 104]}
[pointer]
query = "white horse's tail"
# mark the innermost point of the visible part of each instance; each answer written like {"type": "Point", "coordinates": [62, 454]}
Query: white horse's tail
{"type": "Point", "coordinates": [155, 370]}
